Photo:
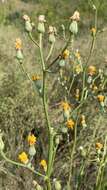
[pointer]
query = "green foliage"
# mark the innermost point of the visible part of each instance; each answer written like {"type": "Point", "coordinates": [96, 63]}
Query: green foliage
{"type": "Point", "coordinates": [2, 14]}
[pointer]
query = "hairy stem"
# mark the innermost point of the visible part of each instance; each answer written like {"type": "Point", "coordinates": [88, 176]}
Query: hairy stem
{"type": "Point", "coordinates": [50, 134]}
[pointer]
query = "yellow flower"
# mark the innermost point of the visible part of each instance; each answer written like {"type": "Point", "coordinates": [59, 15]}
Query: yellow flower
{"type": "Point", "coordinates": [18, 44]}
{"type": "Point", "coordinates": [65, 54]}
{"type": "Point", "coordinates": [65, 106]}
{"type": "Point", "coordinates": [23, 158]}
{"type": "Point", "coordinates": [78, 69]}
{"type": "Point", "coordinates": [101, 98]}
{"type": "Point", "coordinates": [91, 70]}
{"type": "Point", "coordinates": [36, 77]}
{"type": "Point", "coordinates": [77, 55]}
{"type": "Point", "coordinates": [99, 146]}
{"type": "Point", "coordinates": [95, 88]}
{"type": "Point", "coordinates": [93, 31]}
{"type": "Point", "coordinates": [43, 164]}
{"type": "Point", "coordinates": [83, 122]}
{"type": "Point", "coordinates": [70, 123]}
{"type": "Point", "coordinates": [31, 139]}
{"type": "Point", "coordinates": [76, 16]}
{"type": "Point", "coordinates": [82, 117]}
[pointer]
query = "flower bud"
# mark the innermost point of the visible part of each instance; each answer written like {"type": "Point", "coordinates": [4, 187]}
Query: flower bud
{"type": "Point", "coordinates": [57, 139]}
{"type": "Point", "coordinates": [28, 26]}
{"type": "Point", "coordinates": [57, 185]}
{"type": "Point", "coordinates": [94, 7]}
{"type": "Point", "coordinates": [19, 55]}
{"type": "Point", "coordinates": [38, 83]}
{"type": "Point", "coordinates": [32, 150]}
{"type": "Point", "coordinates": [102, 104]}
{"type": "Point", "coordinates": [82, 151]}
{"type": "Point", "coordinates": [52, 31]}
{"type": "Point", "coordinates": [66, 114]}
{"type": "Point", "coordinates": [51, 38]}
{"type": "Point", "coordinates": [83, 122]}
{"type": "Point", "coordinates": [63, 27]}
{"type": "Point", "coordinates": [41, 26]}
{"type": "Point", "coordinates": [89, 80]}
{"type": "Point", "coordinates": [38, 187]}
{"type": "Point", "coordinates": [73, 27]}
{"type": "Point", "coordinates": [1, 142]}
{"type": "Point", "coordinates": [75, 16]}
{"type": "Point", "coordinates": [93, 31]}
{"type": "Point", "coordinates": [62, 63]}
{"type": "Point", "coordinates": [64, 130]}
{"type": "Point", "coordinates": [41, 18]}
{"type": "Point", "coordinates": [26, 18]}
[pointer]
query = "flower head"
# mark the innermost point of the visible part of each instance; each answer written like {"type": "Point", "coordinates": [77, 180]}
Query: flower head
{"type": "Point", "coordinates": [75, 16]}
{"type": "Point", "coordinates": [65, 54]}
{"type": "Point", "coordinates": [77, 55]}
{"type": "Point", "coordinates": [101, 98]}
{"type": "Point", "coordinates": [31, 139]}
{"type": "Point", "coordinates": [91, 70]}
{"type": "Point", "coordinates": [23, 158]}
{"type": "Point", "coordinates": [41, 18]}
{"type": "Point", "coordinates": [26, 18]}
{"type": "Point", "coordinates": [18, 44]}
{"type": "Point", "coordinates": [78, 69]}
{"type": "Point", "coordinates": [43, 163]}
{"type": "Point", "coordinates": [70, 124]}
{"type": "Point", "coordinates": [93, 31]}
{"type": "Point", "coordinates": [94, 88]}
{"type": "Point", "coordinates": [65, 106]}
{"type": "Point", "coordinates": [36, 77]}
{"type": "Point", "coordinates": [99, 146]}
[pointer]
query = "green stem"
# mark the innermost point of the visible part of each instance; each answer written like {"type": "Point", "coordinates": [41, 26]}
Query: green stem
{"type": "Point", "coordinates": [78, 107]}
{"type": "Point", "coordinates": [50, 134]}
{"type": "Point", "coordinates": [64, 48]}
{"type": "Point", "coordinates": [71, 84]}
{"type": "Point", "coordinates": [88, 152]}
{"type": "Point", "coordinates": [41, 51]}
{"type": "Point", "coordinates": [50, 52]}
{"type": "Point", "coordinates": [69, 187]}
{"type": "Point", "coordinates": [50, 155]}
{"type": "Point", "coordinates": [89, 57]}
{"type": "Point", "coordinates": [54, 154]}
{"type": "Point", "coordinates": [84, 72]}
{"type": "Point", "coordinates": [32, 39]}
{"type": "Point", "coordinates": [45, 102]}
{"type": "Point", "coordinates": [48, 184]}
{"type": "Point", "coordinates": [105, 81]}
{"type": "Point", "coordinates": [19, 164]}
{"type": "Point", "coordinates": [27, 76]}
{"type": "Point", "coordinates": [98, 179]}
